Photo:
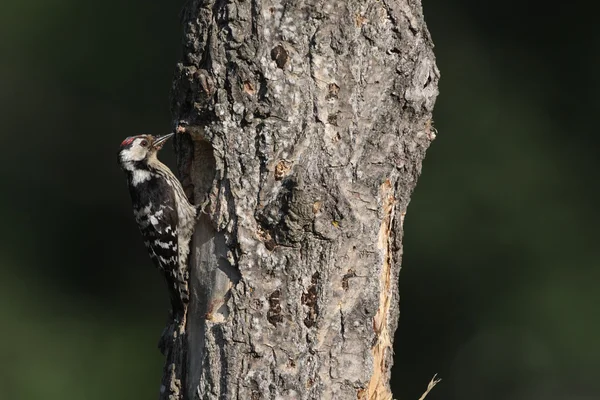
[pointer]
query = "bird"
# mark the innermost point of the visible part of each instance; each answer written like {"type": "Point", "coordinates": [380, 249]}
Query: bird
{"type": "Point", "coordinates": [164, 215]}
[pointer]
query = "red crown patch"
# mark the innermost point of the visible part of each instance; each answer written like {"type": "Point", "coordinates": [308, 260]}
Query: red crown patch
{"type": "Point", "coordinates": [127, 141]}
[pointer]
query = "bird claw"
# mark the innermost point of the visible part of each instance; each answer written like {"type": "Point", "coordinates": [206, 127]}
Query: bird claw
{"type": "Point", "coordinates": [201, 209]}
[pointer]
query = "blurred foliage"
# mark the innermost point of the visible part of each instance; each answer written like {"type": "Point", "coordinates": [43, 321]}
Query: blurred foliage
{"type": "Point", "coordinates": [500, 264]}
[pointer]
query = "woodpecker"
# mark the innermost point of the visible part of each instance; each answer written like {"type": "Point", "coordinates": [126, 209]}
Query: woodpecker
{"type": "Point", "coordinates": [162, 211]}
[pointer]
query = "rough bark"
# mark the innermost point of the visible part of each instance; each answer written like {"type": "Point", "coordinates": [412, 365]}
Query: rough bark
{"type": "Point", "coordinates": [302, 126]}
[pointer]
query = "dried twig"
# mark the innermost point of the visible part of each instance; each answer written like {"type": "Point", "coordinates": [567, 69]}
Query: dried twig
{"type": "Point", "coordinates": [434, 381]}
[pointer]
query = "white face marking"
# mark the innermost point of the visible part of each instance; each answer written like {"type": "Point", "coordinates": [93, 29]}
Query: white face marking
{"type": "Point", "coordinates": [140, 149]}
{"type": "Point", "coordinates": [135, 152]}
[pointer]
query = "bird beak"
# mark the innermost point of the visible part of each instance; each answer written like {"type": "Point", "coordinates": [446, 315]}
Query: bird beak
{"type": "Point", "coordinates": [158, 142]}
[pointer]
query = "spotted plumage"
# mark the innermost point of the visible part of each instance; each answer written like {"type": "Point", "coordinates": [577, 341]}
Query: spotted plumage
{"type": "Point", "coordinates": [164, 215]}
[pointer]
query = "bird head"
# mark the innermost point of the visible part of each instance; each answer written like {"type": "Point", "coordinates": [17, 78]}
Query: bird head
{"type": "Point", "coordinates": [140, 148]}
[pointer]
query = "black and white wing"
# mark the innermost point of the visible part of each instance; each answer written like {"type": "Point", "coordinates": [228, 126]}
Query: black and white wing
{"type": "Point", "coordinates": [158, 226]}
{"type": "Point", "coordinates": [155, 211]}
{"type": "Point", "coordinates": [159, 230]}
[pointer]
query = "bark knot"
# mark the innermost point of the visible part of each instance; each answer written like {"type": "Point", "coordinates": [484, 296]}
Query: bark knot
{"type": "Point", "coordinates": [280, 56]}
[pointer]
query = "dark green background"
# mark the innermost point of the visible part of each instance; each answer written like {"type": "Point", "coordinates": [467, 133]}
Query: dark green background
{"type": "Point", "coordinates": [499, 283]}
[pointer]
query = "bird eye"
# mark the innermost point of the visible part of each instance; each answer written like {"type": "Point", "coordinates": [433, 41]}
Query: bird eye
{"type": "Point", "coordinates": [144, 143]}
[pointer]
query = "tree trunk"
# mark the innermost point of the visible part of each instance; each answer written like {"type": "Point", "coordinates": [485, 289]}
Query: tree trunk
{"type": "Point", "coordinates": [301, 126]}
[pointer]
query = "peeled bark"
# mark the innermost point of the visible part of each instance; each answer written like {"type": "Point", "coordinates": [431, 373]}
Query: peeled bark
{"type": "Point", "coordinates": [302, 126]}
